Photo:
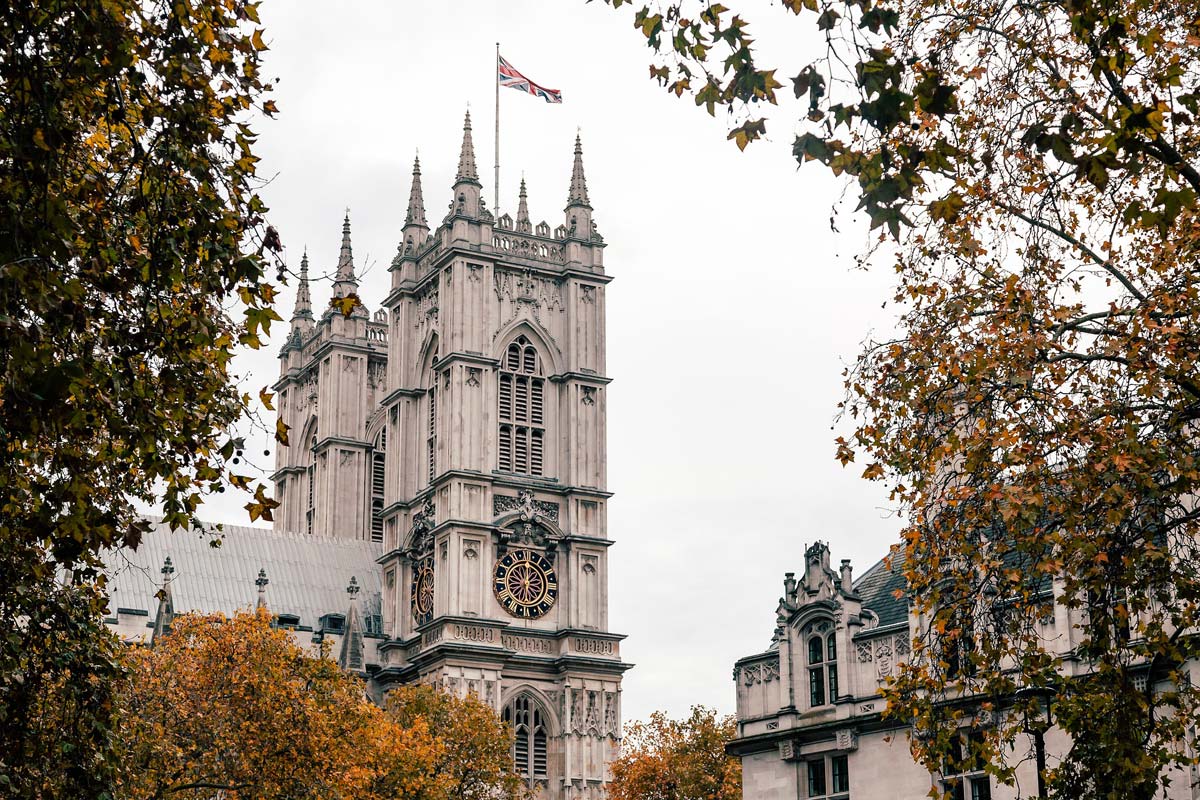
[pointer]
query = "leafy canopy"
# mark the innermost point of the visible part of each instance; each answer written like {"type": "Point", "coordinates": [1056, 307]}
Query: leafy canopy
{"type": "Point", "coordinates": [132, 262]}
{"type": "Point", "coordinates": [1034, 169]}
{"type": "Point", "coordinates": [668, 759]}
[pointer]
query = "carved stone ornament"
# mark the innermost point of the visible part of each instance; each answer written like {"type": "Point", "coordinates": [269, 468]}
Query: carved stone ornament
{"type": "Point", "coordinates": [903, 647]}
{"type": "Point", "coordinates": [420, 542]}
{"type": "Point", "coordinates": [788, 750]}
{"type": "Point", "coordinates": [883, 659]}
{"type": "Point", "coordinates": [588, 398]}
{"type": "Point", "coordinates": [530, 509]}
{"type": "Point", "coordinates": [864, 652]}
{"type": "Point", "coordinates": [473, 375]}
{"type": "Point", "coordinates": [846, 739]}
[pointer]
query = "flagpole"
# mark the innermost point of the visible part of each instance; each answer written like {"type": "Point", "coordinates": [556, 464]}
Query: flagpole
{"type": "Point", "coordinates": [496, 80]}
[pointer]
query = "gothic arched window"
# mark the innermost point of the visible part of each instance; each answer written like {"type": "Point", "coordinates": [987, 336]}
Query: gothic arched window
{"type": "Point", "coordinates": [312, 481]}
{"type": "Point", "coordinates": [522, 415]}
{"type": "Point", "coordinates": [378, 467]}
{"type": "Point", "coordinates": [821, 645]}
{"type": "Point", "coordinates": [529, 728]}
{"type": "Point", "coordinates": [431, 439]}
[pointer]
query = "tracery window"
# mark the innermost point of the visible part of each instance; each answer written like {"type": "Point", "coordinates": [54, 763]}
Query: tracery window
{"type": "Point", "coordinates": [828, 778]}
{"type": "Point", "coordinates": [522, 432]}
{"type": "Point", "coordinates": [378, 472]}
{"type": "Point", "coordinates": [822, 665]}
{"type": "Point", "coordinates": [529, 727]}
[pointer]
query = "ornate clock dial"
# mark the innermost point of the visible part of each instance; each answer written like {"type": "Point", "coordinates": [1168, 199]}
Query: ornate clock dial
{"type": "Point", "coordinates": [525, 584]}
{"type": "Point", "coordinates": [421, 594]}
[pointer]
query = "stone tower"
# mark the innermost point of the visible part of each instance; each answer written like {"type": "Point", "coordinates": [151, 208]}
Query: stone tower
{"type": "Point", "coordinates": [478, 457]}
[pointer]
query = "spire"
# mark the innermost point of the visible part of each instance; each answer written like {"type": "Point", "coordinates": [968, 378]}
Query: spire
{"type": "Point", "coordinates": [351, 657]}
{"type": "Point", "coordinates": [166, 605]}
{"type": "Point", "coordinates": [345, 265]}
{"type": "Point", "coordinates": [523, 224]}
{"type": "Point", "coordinates": [578, 195]}
{"type": "Point", "coordinates": [303, 299]}
{"type": "Point", "coordinates": [466, 159]}
{"type": "Point", "coordinates": [261, 582]}
{"type": "Point", "coordinates": [416, 199]}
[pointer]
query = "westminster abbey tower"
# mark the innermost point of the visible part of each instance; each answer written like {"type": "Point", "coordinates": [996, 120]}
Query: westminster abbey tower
{"type": "Point", "coordinates": [462, 427]}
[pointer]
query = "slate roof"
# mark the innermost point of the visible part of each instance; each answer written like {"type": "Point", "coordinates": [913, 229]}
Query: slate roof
{"type": "Point", "coordinates": [308, 575]}
{"type": "Point", "coordinates": [877, 588]}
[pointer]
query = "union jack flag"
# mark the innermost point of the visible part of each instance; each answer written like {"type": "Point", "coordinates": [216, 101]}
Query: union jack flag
{"type": "Point", "coordinates": [508, 76]}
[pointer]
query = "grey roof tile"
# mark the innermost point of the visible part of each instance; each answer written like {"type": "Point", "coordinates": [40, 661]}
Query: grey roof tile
{"type": "Point", "coordinates": [308, 575]}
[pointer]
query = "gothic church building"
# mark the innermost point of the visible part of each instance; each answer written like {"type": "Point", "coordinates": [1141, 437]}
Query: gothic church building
{"type": "Point", "coordinates": [443, 496]}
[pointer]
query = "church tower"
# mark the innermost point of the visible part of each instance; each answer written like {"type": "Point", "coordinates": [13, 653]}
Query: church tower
{"type": "Point", "coordinates": [480, 462]}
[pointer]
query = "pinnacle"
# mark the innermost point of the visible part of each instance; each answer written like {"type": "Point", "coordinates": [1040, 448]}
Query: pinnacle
{"type": "Point", "coordinates": [522, 208]}
{"type": "Point", "coordinates": [466, 159]}
{"type": "Point", "coordinates": [303, 299]}
{"type": "Point", "coordinates": [578, 194]}
{"type": "Point", "coordinates": [345, 265]}
{"type": "Point", "coordinates": [416, 198]}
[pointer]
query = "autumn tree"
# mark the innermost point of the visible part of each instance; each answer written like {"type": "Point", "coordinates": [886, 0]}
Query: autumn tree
{"type": "Point", "coordinates": [132, 263]}
{"type": "Point", "coordinates": [1033, 167]}
{"type": "Point", "coordinates": [474, 758]}
{"type": "Point", "coordinates": [684, 759]}
{"type": "Point", "coordinates": [235, 707]}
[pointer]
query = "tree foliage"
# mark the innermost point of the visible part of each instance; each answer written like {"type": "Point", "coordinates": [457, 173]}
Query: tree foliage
{"type": "Point", "coordinates": [474, 760]}
{"type": "Point", "coordinates": [667, 759]}
{"type": "Point", "coordinates": [132, 264]}
{"type": "Point", "coordinates": [235, 707]}
{"type": "Point", "coordinates": [1035, 166]}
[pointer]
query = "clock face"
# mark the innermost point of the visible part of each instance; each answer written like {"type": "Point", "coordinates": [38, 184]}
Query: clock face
{"type": "Point", "coordinates": [525, 584]}
{"type": "Point", "coordinates": [422, 591]}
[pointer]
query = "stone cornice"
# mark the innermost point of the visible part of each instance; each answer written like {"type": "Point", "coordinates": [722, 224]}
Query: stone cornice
{"type": "Point", "coordinates": [581, 377]}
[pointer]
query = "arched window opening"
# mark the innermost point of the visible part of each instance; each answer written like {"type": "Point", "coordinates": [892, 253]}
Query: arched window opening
{"type": "Point", "coordinates": [378, 472]}
{"type": "Point", "coordinates": [522, 433]}
{"type": "Point", "coordinates": [529, 728]}
{"type": "Point", "coordinates": [822, 666]}
{"type": "Point", "coordinates": [312, 482]}
{"type": "Point", "coordinates": [431, 440]}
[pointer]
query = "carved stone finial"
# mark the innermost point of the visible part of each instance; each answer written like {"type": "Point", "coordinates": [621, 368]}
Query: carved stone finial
{"type": "Point", "coordinates": [353, 589]}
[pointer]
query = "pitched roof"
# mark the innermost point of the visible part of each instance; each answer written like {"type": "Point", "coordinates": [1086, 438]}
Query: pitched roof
{"type": "Point", "coordinates": [877, 588]}
{"type": "Point", "coordinates": [308, 574]}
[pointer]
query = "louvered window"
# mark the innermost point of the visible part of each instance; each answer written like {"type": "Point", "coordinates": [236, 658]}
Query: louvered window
{"type": "Point", "coordinates": [529, 745]}
{"type": "Point", "coordinates": [378, 467]}
{"type": "Point", "coordinates": [431, 441]}
{"type": "Point", "coordinates": [312, 481]}
{"type": "Point", "coordinates": [522, 414]}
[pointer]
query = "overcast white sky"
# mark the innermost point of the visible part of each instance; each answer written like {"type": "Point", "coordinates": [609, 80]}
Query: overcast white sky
{"type": "Point", "coordinates": [733, 311]}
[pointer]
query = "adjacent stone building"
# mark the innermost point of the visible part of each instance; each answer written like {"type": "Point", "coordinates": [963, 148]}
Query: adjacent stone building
{"type": "Point", "coordinates": [809, 709]}
{"type": "Point", "coordinates": [449, 451]}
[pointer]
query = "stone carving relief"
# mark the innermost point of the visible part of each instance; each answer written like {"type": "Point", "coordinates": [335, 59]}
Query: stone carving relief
{"type": "Point", "coordinates": [592, 723]}
{"type": "Point", "coordinates": [883, 658]}
{"type": "Point", "coordinates": [427, 307]}
{"type": "Point", "coordinates": [864, 652]}
{"type": "Point", "coordinates": [528, 295]}
{"type": "Point", "coordinates": [757, 673]}
{"type": "Point", "coordinates": [588, 294]}
{"type": "Point", "coordinates": [376, 374]}
{"type": "Point", "coordinates": [588, 398]}
{"type": "Point", "coordinates": [610, 713]}
{"type": "Point", "coordinates": [577, 718]}
{"type": "Point", "coordinates": [473, 376]}
{"type": "Point", "coordinates": [530, 509]}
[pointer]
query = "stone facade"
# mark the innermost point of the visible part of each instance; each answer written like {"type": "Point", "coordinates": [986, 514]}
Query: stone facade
{"type": "Point", "coordinates": [809, 708]}
{"type": "Point", "coordinates": [462, 427]}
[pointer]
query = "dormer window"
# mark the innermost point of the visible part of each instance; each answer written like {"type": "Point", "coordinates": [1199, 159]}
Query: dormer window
{"type": "Point", "coordinates": [821, 645]}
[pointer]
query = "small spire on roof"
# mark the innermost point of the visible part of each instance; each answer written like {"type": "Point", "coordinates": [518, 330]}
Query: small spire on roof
{"type": "Point", "coordinates": [261, 582]}
{"type": "Point", "coordinates": [166, 605]}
